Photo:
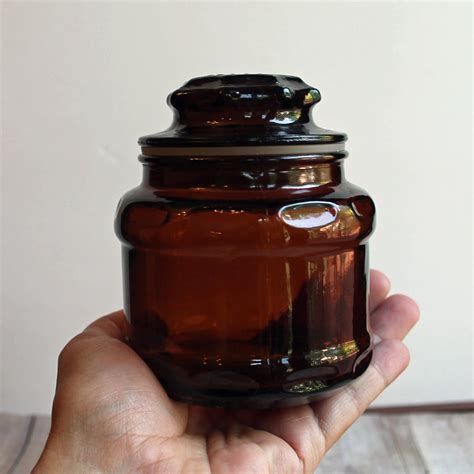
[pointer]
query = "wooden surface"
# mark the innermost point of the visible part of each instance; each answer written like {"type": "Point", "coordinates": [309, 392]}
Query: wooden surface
{"type": "Point", "coordinates": [22, 439]}
{"type": "Point", "coordinates": [385, 443]}
{"type": "Point", "coordinates": [405, 443]}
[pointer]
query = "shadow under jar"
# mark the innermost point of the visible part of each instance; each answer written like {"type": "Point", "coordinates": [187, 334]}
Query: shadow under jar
{"type": "Point", "coordinates": [245, 258]}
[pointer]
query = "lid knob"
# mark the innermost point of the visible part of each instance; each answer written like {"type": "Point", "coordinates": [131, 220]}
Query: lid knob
{"type": "Point", "coordinates": [243, 99]}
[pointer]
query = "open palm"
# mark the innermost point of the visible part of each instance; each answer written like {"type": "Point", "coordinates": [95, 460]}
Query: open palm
{"type": "Point", "coordinates": [111, 414]}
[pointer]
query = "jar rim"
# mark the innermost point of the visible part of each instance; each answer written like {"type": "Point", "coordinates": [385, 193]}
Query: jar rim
{"type": "Point", "coordinates": [255, 151]}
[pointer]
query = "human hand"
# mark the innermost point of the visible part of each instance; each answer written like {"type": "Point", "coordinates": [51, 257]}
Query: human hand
{"type": "Point", "coordinates": [111, 414]}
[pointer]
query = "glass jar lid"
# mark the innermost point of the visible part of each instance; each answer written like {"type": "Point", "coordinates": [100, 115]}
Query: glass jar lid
{"type": "Point", "coordinates": [244, 110]}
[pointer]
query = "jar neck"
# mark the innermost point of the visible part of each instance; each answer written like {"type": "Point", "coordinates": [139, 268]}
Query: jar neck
{"type": "Point", "coordinates": [226, 178]}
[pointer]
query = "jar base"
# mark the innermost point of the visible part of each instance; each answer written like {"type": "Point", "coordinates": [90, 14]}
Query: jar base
{"type": "Point", "coordinates": [263, 401]}
{"type": "Point", "coordinates": [229, 396]}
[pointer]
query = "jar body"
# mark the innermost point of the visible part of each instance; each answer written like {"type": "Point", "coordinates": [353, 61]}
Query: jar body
{"type": "Point", "coordinates": [246, 282]}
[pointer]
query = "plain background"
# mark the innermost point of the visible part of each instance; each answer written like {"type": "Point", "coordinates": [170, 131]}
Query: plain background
{"type": "Point", "coordinates": [81, 81]}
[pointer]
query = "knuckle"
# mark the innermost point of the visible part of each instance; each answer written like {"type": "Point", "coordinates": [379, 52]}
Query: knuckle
{"type": "Point", "coordinates": [69, 351]}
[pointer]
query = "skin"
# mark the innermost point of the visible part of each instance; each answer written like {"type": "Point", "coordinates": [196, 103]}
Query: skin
{"type": "Point", "coordinates": [111, 414]}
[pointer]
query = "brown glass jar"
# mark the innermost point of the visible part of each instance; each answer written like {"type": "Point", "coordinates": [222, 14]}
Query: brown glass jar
{"type": "Point", "coordinates": [245, 258]}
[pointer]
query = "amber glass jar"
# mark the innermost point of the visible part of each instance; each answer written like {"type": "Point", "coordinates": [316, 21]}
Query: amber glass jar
{"type": "Point", "coordinates": [245, 258]}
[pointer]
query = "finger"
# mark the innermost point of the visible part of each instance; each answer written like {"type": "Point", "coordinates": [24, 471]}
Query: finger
{"type": "Point", "coordinates": [337, 413]}
{"type": "Point", "coordinates": [379, 288]}
{"type": "Point", "coordinates": [395, 317]}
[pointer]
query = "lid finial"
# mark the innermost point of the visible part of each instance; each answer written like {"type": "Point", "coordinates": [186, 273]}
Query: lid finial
{"type": "Point", "coordinates": [243, 99]}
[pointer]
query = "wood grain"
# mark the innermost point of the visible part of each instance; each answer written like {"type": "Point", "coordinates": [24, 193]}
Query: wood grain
{"type": "Point", "coordinates": [35, 446]}
{"type": "Point", "coordinates": [371, 446]}
{"type": "Point", "coordinates": [414, 443]}
{"type": "Point", "coordinates": [446, 441]}
{"type": "Point", "coordinates": [378, 443]}
{"type": "Point", "coordinates": [467, 405]}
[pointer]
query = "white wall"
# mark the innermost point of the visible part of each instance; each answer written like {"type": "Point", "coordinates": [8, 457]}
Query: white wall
{"type": "Point", "coordinates": [81, 81]}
